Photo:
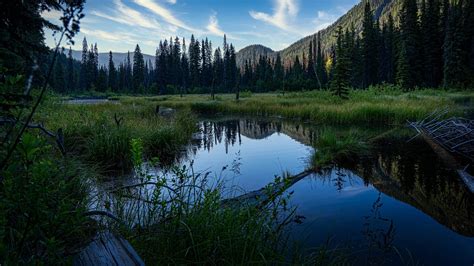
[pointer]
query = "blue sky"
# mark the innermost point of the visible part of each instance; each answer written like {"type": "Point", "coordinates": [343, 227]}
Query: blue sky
{"type": "Point", "coordinates": [118, 25]}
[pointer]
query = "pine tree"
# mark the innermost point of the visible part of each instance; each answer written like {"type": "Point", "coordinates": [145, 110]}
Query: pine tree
{"type": "Point", "coordinates": [128, 74]}
{"type": "Point", "coordinates": [432, 43]}
{"type": "Point", "coordinates": [232, 69]}
{"type": "Point", "coordinates": [101, 82]}
{"type": "Point", "coordinates": [321, 74]}
{"type": "Point", "coordinates": [279, 72]}
{"type": "Point", "coordinates": [455, 56]}
{"type": "Point", "coordinates": [70, 72]}
{"type": "Point", "coordinates": [226, 56]}
{"type": "Point", "coordinates": [184, 68]}
{"type": "Point", "coordinates": [112, 77]}
{"type": "Point", "coordinates": [369, 47]}
{"type": "Point", "coordinates": [84, 75]}
{"type": "Point", "coordinates": [409, 65]}
{"type": "Point", "coordinates": [388, 56]}
{"type": "Point", "coordinates": [341, 77]}
{"type": "Point", "coordinates": [59, 77]}
{"type": "Point", "coordinates": [194, 62]}
{"type": "Point", "coordinates": [138, 70]}
{"type": "Point", "coordinates": [218, 71]}
{"type": "Point", "coordinates": [176, 62]}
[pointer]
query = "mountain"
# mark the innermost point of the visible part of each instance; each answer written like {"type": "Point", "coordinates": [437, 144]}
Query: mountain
{"type": "Point", "coordinates": [117, 57]}
{"type": "Point", "coordinates": [252, 52]}
{"type": "Point", "coordinates": [353, 18]}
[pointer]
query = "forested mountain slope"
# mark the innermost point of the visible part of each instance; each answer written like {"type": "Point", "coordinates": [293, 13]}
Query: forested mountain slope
{"type": "Point", "coordinates": [353, 18]}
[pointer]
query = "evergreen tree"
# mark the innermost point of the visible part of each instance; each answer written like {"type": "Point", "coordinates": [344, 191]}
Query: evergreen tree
{"type": "Point", "coordinates": [184, 68]}
{"type": "Point", "coordinates": [369, 47]}
{"type": "Point", "coordinates": [84, 75]}
{"type": "Point", "coordinates": [101, 82]}
{"type": "Point", "coordinates": [455, 56]}
{"type": "Point", "coordinates": [232, 68]}
{"type": "Point", "coordinates": [388, 55]}
{"type": "Point", "coordinates": [321, 74]}
{"type": "Point", "coordinates": [138, 69]}
{"type": "Point", "coordinates": [279, 72]}
{"type": "Point", "coordinates": [226, 57]}
{"type": "Point", "coordinates": [70, 72]}
{"type": "Point", "coordinates": [112, 77]}
{"type": "Point", "coordinates": [176, 62]}
{"type": "Point", "coordinates": [128, 73]}
{"type": "Point", "coordinates": [432, 43]}
{"type": "Point", "coordinates": [59, 81]}
{"type": "Point", "coordinates": [194, 62]}
{"type": "Point", "coordinates": [408, 65]}
{"type": "Point", "coordinates": [340, 81]}
{"type": "Point", "coordinates": [218, 70]}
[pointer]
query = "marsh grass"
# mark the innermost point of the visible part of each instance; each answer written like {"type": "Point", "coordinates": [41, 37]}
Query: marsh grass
{"type": "Point", "coordinates": [101, 133]}
{"type": "Point", "coordinates": [332, 147]}
{"type": "Point", "coordinates": [385, 105]}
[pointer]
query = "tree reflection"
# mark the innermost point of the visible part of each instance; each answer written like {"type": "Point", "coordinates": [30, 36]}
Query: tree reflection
{"type": "Point", "coordinates": [379, 233]}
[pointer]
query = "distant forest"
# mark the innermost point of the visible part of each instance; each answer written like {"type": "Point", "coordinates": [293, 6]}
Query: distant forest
{"type": "Point", "coordinates": [431, 46]}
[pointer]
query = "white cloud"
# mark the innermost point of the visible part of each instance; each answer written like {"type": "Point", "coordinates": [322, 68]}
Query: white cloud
{"type": "Point", "coordinates": [103, 35]}
{"type": "Point", "coordinates": [325, 18]}
{"type": "Point", "coordinates": [284, 10]}
{"type": "Point", "coordinates": [213, 26]}
{"type": "Point", "coordinates": [129, 16]}
{"type": "Point", "coordinates": [164, 13]}
{"type": "Point", "coordinates": [171, 1]}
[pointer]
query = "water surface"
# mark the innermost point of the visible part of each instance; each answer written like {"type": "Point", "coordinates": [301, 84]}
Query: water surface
{"type": "Point", "coordinates": [402, 198]}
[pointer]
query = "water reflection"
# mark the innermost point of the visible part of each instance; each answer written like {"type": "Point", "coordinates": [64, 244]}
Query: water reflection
{"type": "Point", "coordinates": [411, 173]}
{"type": "Point", "coordinates": [401, 198]}
{"type": "Point", "coordinates": [379, 232]}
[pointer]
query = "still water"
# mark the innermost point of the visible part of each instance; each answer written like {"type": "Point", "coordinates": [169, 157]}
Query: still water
{"type": "Point", "coordinates": [401, 206]}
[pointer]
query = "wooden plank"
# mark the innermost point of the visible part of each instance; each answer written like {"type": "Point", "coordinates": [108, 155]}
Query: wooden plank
{"type": "Point", "coordinates": [108, 249]}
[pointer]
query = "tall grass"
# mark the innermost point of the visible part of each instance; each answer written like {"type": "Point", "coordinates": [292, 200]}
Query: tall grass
{"type": "Point", "coordinates": [100, 134]}
{"type": "Point", "coordinates": [333, 148]}
{"type": "Point", "coordinates": [180, 219]}
{"type": "Point", "coordinates": [381, 105]}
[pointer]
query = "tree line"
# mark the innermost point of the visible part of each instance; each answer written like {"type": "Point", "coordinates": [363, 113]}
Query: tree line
{"type": "Point", "coordinates": [427, 45]}
{"type": "Point", "coordinates": [178, 68]}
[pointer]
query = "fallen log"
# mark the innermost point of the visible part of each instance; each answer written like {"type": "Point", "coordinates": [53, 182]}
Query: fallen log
{"type": "Point", "coordinates": [264, 195]}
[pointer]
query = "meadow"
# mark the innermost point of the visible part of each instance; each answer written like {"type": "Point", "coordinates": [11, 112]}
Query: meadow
{"type": "Point", "coordinates": [377, 105]}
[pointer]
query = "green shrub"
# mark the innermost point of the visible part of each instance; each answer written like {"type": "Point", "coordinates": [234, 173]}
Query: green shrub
{"type": "Point", "coordinates": [42, 203]}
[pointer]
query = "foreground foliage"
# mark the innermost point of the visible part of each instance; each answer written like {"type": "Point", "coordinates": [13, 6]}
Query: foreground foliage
{"type": "Point", "coordinates": [42, 205]}
{"type": "Point", "coordinates": [179, 218]}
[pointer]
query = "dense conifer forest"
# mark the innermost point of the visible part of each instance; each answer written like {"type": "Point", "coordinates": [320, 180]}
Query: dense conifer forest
{"type": "Point", "coordinates": [431, 46]}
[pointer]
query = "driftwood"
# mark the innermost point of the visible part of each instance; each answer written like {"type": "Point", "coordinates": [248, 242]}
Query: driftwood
{"type": "Point", "coordinates": [264, 195]}
{"type": "Point", "coordinates": [108, 249]}
{"type": "Point", "coordinates": [449, 137]}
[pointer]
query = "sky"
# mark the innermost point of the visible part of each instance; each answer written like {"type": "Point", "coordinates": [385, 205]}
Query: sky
{"type": "Point", "coordinates": [118, 25]}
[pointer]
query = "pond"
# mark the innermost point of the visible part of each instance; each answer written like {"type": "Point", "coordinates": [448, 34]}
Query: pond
{"type": "Point", "coordinates": [402, 199]}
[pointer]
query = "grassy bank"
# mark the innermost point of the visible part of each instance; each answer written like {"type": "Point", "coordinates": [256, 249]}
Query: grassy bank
{"type": "Point", "coordinates": [382, 105]}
